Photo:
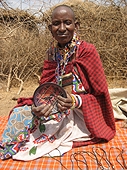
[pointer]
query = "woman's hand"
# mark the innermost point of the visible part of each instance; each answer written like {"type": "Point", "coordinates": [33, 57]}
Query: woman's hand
{"type": "Point", "coordinates": [64, 103]}
{"type": "Point", "coordinates": [46, 109]}
{"type": "Point", "coordinates": [42, 110]}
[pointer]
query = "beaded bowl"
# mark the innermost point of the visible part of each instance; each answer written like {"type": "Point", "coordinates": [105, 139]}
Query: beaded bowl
{"type": "Point", "coordinates": [47, 94]}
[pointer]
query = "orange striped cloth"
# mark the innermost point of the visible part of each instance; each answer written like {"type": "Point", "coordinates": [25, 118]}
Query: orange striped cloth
{"type": "Point", "coordinates": [112, 155]}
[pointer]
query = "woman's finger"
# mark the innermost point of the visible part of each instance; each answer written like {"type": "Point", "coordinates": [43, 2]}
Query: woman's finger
{"type": "Point", "coordinates": [64, 103]}
{"type": "Point", "coordinates": [42, 110]}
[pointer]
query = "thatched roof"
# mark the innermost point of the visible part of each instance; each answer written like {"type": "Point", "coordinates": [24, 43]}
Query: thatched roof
{"type": "Point", "coordinates": [12, 17]}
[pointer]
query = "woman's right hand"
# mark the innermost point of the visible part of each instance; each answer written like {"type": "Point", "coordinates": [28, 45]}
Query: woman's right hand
{"type": "Point", "coordinates": [42, 110]}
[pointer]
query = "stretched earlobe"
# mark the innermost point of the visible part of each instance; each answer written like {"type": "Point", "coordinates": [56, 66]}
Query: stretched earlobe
{"type": "Point", "coordinates": [50, 27]}
{"type": "Point", "coordinates": [77, 25]}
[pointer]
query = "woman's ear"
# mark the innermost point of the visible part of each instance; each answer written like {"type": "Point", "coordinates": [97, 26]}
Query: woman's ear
{"type": "Point", "coordinates": [50, 28]}
{"type": "Point", "coordinates": [77, 25]}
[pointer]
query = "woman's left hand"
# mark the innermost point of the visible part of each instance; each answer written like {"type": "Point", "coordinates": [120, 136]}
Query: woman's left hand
{"type": "Point", "coordinates": [64, 103]}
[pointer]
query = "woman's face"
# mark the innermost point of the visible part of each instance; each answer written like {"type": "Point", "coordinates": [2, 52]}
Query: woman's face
{"type": "Point", "coordinates": [63, 25]}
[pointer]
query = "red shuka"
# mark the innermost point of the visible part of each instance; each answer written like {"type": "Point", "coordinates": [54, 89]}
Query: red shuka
{"type": "Point", "coordinates": [96, 104]}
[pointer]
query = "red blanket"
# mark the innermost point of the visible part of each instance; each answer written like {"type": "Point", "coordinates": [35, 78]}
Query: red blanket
{"type": "Point", "coordinates": [86, 157]}
{"type": "Point", "coordinates": [96, 104]}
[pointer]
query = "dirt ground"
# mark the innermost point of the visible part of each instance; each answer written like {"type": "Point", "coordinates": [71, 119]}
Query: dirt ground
{"type": "Point", "coordinates": [8, 99]}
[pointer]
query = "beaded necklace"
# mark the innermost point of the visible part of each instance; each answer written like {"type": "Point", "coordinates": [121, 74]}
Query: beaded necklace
{"type": "Point", "coordinates": [62, 57]}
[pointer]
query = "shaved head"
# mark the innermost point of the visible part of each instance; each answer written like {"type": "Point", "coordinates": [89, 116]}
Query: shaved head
{"type": "Point", "coordinates": [63, 7]}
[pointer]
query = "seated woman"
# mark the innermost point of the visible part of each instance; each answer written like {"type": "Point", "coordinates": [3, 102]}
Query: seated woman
{"type": "Point", "coordinates": [84, 116]}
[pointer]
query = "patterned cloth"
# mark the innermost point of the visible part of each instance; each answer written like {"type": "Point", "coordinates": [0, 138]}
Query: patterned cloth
{"type": "Point", "coordinates": [54, 135]}
{"type": "Point", "coordinates": [20, 118]}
